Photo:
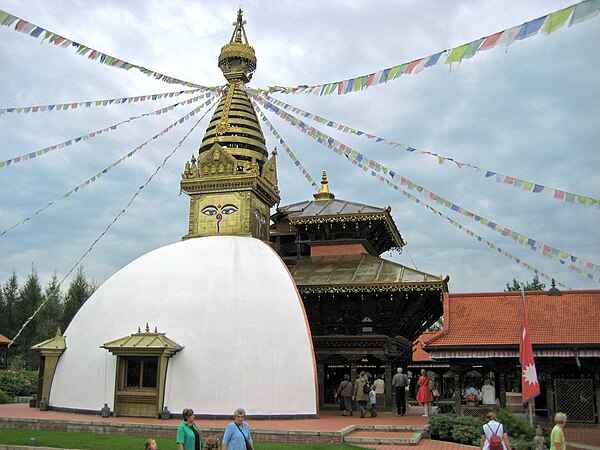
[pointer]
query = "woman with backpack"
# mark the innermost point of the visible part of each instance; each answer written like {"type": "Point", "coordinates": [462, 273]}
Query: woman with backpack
{"type": "Point", "coordinates": [494, 436]}
{"type": "Point", "coordinates": [424, 396]}
{"type": "Point", "coordinates": [361, 392]}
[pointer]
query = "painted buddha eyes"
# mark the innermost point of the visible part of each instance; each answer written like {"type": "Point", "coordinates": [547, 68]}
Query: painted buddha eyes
{"type": "Point", "coordinates": [212, 210]}
{"type": "Point", "coordinates": [229, 209]}
{"type": "Point", "coordinates": [209, 210]}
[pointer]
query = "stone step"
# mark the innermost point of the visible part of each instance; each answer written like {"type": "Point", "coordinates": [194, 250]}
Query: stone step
{"type": "Point", "coordinates": [384, 435]}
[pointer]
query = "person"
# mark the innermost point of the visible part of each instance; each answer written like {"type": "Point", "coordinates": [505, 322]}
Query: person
{"type": "Point", "coordinates": [424, 396]}
{"type": "Point", "coordinates": [344, 393]}
{"type": "Point", "coordinates": [237, 434]}
{"type": "Point", "coordinates": [472, 396]}
{"type": "Point", "coordinates": [488, 393]}
{"type": "Point", "coordinates": [150, 444]}
{"type": "Point", "coordinates": [379, 386]}
{"type": "Point", "coordinates": [399, 383]}
{"type": "Point", "coordinates": [359, 395]}
{"type": "Point", "coordinates": [373, 401]}
{"type": "Point", "coordinates": [188, 434]}
{"type": "Point", "coordinates": [491, 428]}
{"type": "Point", "coordinates": [557, 437]}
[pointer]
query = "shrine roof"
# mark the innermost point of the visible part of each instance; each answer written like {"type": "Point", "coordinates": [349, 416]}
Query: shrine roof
{"type": "Point", "coordinates": [4, 339]}
{"type": "Point", "coordinates": [358, 269]}
{"type": "Point", "coordinates": [493, 319]}
{"type": "Point", "coordinates": [333, 207]}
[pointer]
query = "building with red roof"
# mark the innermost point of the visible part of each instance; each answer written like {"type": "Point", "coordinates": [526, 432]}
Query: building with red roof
{"type": "Point", "coordinates": [480, 341]}
{"type": "Point", "coordinates": [4, 343]}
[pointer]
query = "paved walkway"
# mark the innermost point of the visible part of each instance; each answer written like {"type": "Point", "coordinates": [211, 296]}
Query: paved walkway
{"type": "Point", "coordinates": [330, 421]}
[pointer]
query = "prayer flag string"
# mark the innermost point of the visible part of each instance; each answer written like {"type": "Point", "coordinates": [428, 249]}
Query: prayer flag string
{"type": "Point", "coordinates": [505, 180]}
{"type": "Point", "coordinates": [458, 225]}
{"type": "Point", "coordinates": [546, 24]}
{"type": "Point", "coordinates": [38, 153]}
{"type": "Point", "coordinates": [289, 152]}
{"type": "Point", "coordinates": [340, 148]}
{"type": "Point", "coordinates": [121, 212]}
{"type": "Point", "coordinates": [35, 31]}
{"type": "Point", "coordinates": [114, 164]}
{"type": "Point", "coordinates": [96, 103]}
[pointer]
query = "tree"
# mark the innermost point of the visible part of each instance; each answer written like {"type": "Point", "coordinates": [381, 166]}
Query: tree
{"type": "Point", "coordinates": [535, 285]}
{"type": "Point", "coordinates": [29, 299]}
{"type": "Point", "coordinates": [50, 316]}
{"type": "Point", "coordinates": [10, 295]}
{"type": "Point", "coordinates": [79, 291]}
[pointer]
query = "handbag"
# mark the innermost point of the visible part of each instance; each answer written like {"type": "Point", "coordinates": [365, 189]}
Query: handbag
{"type": "Point", "coordinates": [248, 446]}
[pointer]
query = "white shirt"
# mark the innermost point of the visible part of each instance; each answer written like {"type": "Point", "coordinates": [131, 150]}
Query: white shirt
{"type": "Point", "coordinates": [489, 429]}
{"type": "Point", "coordinates": [489, 394]}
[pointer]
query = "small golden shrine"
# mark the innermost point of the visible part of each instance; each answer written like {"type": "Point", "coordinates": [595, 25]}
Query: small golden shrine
{"type": "Point", "coordinates": [233, 183]}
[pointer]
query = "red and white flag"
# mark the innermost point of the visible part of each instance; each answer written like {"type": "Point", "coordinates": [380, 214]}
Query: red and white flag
{"type": "Point", "coordinates": [530, 387]}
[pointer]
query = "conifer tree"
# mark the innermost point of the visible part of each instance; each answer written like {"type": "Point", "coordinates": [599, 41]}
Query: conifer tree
{"type": "Point", "coordinates": [30, 297]}
{"type": "Point", "coordinates": [79, 291]}
{"type": "Point", "coordinates": [50, 317]}
{"type": "Point", "coordinates": [10, 295]}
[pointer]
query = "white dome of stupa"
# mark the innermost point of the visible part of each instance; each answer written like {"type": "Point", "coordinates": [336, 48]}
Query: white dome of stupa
{"type": "Point", "coordinates": [232, 305]}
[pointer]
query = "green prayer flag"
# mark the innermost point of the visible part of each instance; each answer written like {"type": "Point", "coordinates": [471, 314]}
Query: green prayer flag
{"type": "Point", "coordinates": [557, 20]}
{"type": "Point", "coordinates": [456, 54]}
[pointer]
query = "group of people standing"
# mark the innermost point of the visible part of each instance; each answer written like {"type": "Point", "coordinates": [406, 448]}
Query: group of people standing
{"type": "Point", "coordinates": [236, 437]}
{"type": "Point", "coordinates": [363, 393]}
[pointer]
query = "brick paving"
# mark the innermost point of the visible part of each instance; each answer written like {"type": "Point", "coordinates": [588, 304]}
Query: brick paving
{"type": "Point", "coordinates": [331, 425]}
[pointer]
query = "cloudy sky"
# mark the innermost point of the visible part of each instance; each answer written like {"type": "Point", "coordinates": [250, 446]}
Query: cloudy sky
{"type": "Point", "coordinates": [530, 111]}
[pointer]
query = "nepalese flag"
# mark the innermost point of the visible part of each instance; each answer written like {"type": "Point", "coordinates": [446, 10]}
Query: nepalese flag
{"type": "Point", "coordinates": [530, 386]}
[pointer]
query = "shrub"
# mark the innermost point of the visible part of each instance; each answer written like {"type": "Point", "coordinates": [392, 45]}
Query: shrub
{"type": "Point", "coordinates": [455, 428]}
{"type": "Point", "coordinates": [18, 382]}
{"type": "Point", "coordinates": [5, 398]}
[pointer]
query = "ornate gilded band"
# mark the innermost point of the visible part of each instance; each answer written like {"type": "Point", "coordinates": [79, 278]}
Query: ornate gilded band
{"type": "Point", "coordinates": [366, 288]}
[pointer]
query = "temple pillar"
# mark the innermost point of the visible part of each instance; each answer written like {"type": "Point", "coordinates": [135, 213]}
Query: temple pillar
{"type": "Point", "coordinates": [502, 388]}
{"type": "Point", "coordinates": [389, 400]}
{"type": "Point", "coordinates": [321, 381]}
{"type": "Point", "coordinates": [353, 373]}
{"type": "Point", "coordinates": [550, 397]}
{"type": "Point", "coordinates": [457, 389]}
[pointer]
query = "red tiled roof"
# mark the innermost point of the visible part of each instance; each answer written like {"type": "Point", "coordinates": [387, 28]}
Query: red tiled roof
{"type": "Point", "coordinates": [420, 355]}
{"type": "Point", "coordinates": [4, 340]}
{"type": "Point", "coordinates": [494, 319]}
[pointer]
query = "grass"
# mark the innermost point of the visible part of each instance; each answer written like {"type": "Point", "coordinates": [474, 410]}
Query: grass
{"type": "Point", "coordinates": [63, 439]}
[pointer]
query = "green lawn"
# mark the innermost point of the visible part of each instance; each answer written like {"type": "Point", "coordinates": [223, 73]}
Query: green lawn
{"type": "Point", "coordinates": [61, 439]}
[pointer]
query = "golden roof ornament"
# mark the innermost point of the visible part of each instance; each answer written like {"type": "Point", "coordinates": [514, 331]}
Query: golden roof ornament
{"type": "Point", "coordinates": [237, 60]}
{"type": "Point", "coordinates": [324, 193]}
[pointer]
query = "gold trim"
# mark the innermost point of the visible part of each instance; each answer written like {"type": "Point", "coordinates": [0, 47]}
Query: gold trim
{"type": "Point", "coordinates": [366, 288]}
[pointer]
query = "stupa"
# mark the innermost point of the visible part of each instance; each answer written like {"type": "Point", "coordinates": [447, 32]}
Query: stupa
{"type": "Point", "coordinates": [213, 322]}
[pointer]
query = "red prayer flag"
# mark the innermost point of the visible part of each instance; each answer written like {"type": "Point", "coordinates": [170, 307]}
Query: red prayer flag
{"type": "Point", "coordinates": [530, 386]}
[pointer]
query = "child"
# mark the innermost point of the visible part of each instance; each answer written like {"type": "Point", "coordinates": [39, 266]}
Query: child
{"type": "Point", "coordinates": [373, 401]}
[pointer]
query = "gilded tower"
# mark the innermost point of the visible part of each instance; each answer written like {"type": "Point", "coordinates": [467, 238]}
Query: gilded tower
{"type": "Point", "coordinates": [233, 183]}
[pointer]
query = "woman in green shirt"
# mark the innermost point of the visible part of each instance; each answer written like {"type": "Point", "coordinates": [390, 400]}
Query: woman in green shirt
{"type": "Point", "coordinates": [188, 434]}
{"type": "Point", "coordinates": [557, 438]}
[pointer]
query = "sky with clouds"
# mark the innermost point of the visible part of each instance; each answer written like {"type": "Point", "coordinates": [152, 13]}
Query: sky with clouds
{"type": "Point", "coordinates": [529, 111]}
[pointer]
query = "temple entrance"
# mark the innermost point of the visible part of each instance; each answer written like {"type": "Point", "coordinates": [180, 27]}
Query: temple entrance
{"type": "Point", "coordinates": [137, 386]}
{"type": "Point", "coordinates": [373, 367]}
{"type": "Point", "coordinates": [334, 374]}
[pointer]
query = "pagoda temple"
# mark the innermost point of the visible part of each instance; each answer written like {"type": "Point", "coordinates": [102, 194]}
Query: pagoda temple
{"type": "Point", "coordinates": [364, 311]}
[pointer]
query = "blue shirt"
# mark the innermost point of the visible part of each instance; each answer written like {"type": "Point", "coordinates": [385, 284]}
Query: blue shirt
{"type": "Point", "coordinates": [234, 439]}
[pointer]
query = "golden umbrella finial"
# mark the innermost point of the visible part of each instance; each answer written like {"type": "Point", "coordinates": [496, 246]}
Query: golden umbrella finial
{"type": "Point", "coordinates": [324, 193]}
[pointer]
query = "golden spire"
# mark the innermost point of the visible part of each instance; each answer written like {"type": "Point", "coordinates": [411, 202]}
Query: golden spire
{"type": "Point", "coordinates": [237, 60]}
{"type": "Point", "coordinates": [324, 193]}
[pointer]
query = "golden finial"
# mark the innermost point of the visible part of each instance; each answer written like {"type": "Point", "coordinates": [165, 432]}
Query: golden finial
{"type": "Point", "coordinates": [324, 193]}
{"type": "Point", "coordinates": [139, 330]}
{"type": "Point", "coordinates": [237, 60]}
{"type": "Point", "coordinates": [58, 332]}
{"type": "Point", "coordinates": [156, 329]}
{"type": "Point", "coordinates": [147, 328]}
{"type": "Point", "coordinates": [275, 151]}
